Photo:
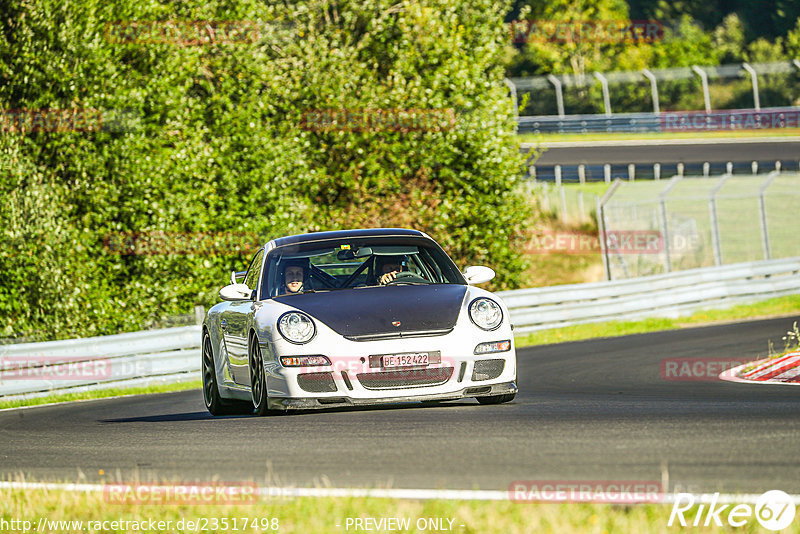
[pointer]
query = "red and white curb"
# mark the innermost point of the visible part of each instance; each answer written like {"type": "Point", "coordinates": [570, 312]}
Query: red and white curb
{"type": "Point", "coordinates": [783, 370]}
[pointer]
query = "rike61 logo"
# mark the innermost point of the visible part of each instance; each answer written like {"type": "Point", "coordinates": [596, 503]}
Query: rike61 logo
{"type": "Point", "coordinates": [774, 510]}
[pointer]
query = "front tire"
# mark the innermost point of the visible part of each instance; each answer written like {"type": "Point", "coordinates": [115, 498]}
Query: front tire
{"type": "Point", "coordinates": [215, 404]}
{"type": "Point", "coordinates": [258, 379]}
{"type": "Point", "coordinates": [497, 399]}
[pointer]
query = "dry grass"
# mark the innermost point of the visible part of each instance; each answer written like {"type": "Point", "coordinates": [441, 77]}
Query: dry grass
{"type": "Point", "coordinates": [323, 515]}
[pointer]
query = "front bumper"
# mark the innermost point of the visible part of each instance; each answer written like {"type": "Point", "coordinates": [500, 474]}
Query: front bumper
{"type": "Point", "coordinates": [284, 404]}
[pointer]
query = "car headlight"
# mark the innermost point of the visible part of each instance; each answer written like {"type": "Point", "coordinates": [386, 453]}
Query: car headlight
{"type": "Point", "coordinates": [296, 327]}
{"type": "Point", "coordinates": [485, 313]}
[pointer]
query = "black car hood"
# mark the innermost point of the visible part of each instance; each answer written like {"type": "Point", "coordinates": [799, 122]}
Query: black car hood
{"type": "Point", "coordinates": [375, 311]}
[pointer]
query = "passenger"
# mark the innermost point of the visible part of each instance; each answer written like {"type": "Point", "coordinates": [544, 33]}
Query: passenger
{"type": "Point", "coordinates": [294, 275]}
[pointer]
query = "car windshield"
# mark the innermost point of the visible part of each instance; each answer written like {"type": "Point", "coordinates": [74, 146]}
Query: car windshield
{"type": "Point", "coordinates": [353, 263]}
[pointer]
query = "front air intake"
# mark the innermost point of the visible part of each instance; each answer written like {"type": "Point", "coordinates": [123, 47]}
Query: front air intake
{"type": "Point", "coordinates": [316, 382]}
{"type": "Point", "coordinates": [487, 369]}
{"type": "Point", "coordinates": [405, 378]}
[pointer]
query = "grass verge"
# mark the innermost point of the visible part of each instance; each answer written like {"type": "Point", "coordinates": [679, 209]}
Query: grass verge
{"type": "Point", "coordinates": [100, 394]}
{"type": "Point", "coordinates": [557, 269]}
{"type": "Point", "coordinates": [324, 515]}
{"type": "Point", "coordinates": [734, 134]}
{"type": "Point", "coordinates": [781, 306]}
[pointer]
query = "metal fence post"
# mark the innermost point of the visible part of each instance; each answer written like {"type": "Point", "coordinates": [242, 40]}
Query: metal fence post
{"type": "Point", "coordinates": [662, 203]}
{"type": "Point", "coordinates": [546, 196]}
{"type": "Point", "coordinates": [607, 173]}
{"type": "Point", "coordinates": [656, 171]}
{"type": "Point", "coordinates": [513, 89]}
{"type": "Point", "coordinates": [199, 314]}
{"type": "Point", "coordinates": [582, 173]}
{"type": "Point", "coordinates": [559, 93]}
{"type": "Point", "coordinates": [557, 170]}
{"type": "Point", "coordinates": [762, 207]}
{"type": "Point", "coordinates": [754, 77]}
{"type": "Point", "coordinates": [712, 209]}
{"type": "Point", "coordinates": [704, 79]}
{"type": "Point", "coordinates": [653, 89]}
{"type": "Point", "coordinates": [602, 227]}
{"type": "Point", "coordinates": [606, 97]}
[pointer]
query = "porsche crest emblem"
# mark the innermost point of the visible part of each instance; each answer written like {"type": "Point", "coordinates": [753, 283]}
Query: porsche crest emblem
{"type": "Point", "coordinates": [395, 323]}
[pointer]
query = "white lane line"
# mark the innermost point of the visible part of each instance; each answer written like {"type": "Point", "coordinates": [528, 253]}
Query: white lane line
{"type": "Point", "coordinates": [661, 142]}
{"type": "Point", "coordinates": [411, 494]}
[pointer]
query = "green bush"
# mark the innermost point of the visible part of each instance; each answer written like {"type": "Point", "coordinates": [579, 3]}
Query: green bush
{"type": "Point", "coordinates": [217, 143]}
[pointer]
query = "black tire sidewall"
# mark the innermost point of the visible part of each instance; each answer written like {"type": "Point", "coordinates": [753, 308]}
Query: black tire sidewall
{"type": "Point", "coordinates": [260, 405]}
{"type": "Point", "coordinates": [214, 405]}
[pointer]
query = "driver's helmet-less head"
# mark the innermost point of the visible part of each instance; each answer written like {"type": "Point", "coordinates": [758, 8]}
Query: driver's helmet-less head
{"type": "Point", "coordinates": [294, 274]}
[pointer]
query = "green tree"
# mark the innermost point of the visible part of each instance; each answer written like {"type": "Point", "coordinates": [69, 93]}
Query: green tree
{"type": "Point", "coordinates": [219, 146]}
{"type": "Point", "coordinates": [729, 39]}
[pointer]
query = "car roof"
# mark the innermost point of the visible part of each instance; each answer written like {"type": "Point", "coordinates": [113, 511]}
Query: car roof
{"type": "Point", "coordinates": [345, 234]}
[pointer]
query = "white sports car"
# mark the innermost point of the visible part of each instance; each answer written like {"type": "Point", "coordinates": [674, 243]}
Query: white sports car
{"type": "Point", "coordinates": [355, 317]}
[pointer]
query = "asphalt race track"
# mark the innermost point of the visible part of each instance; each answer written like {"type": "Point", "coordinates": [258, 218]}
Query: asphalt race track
{"type": "Point", "coordinates": [690, 151]}
{"type": "Point", "coordinates": [593, 410]}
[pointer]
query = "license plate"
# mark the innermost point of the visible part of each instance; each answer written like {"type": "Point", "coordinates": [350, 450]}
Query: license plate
{"type": "Point", "coordinates": [408, 359]}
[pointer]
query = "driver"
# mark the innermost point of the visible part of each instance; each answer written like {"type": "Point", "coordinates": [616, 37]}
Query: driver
{"type": "Point", "coordinates": [294, 275]}
{"type": "Point", "coordinates": [388, 267]}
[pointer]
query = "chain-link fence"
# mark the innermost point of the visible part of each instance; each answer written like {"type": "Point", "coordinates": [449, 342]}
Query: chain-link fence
{"type": "Point", "coordinates": [684, 223]}
{"type": "Point", "coordinates": [722, 87]}
{"type": "Point", "coordinates": [571, 206]}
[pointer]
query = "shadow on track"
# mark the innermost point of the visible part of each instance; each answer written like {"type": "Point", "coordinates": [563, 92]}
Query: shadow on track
{"type": "Point", "coordinates": [203, 415]}
{"type": "Point", "coordinates": [169, 418]}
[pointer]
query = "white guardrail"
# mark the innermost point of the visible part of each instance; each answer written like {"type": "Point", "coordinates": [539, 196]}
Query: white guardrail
{"type": "Point", "coordinates": [663, 295]}
{"type": "Point", "coordinates": [122, 360]}
{"type": "Point", "coordinates": [173, 354]}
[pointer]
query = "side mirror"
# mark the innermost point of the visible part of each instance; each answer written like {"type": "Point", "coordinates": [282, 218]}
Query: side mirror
{"type": "Point", "coordinates": [478, 274]}
{"type": "Point", "coordinates": [235, 292]}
